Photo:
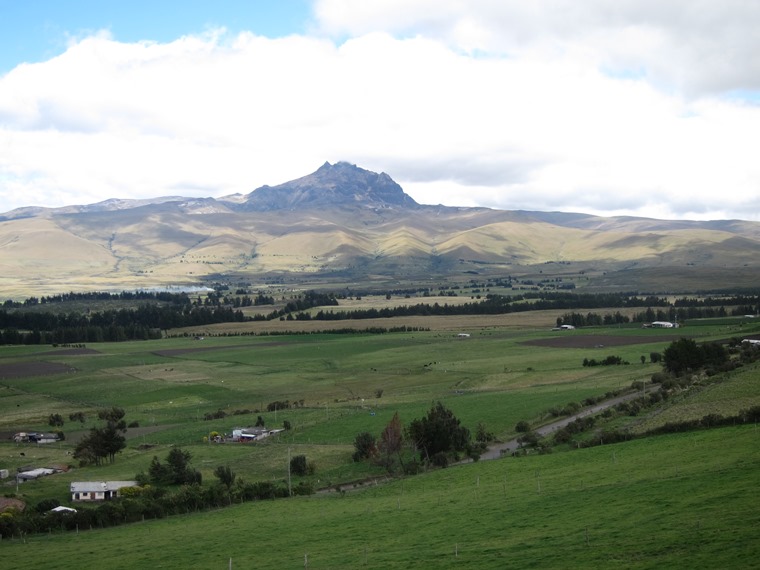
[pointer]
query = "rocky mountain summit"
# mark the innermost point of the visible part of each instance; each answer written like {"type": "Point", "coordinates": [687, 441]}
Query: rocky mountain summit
{"type": "Point", "coordinates": [340, 184]}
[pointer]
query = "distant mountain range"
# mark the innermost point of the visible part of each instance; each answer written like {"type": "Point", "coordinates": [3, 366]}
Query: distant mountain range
{"type": "Point", "coordinates": [344, 224]}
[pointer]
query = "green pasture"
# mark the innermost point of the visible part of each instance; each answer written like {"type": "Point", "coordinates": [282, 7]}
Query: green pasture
{"type": "Point", "coordinates": [349, 383]}
{"type": "Point", "coordinates": [676, 501]}
{"type": "Point", "coordinates": [725, 396]}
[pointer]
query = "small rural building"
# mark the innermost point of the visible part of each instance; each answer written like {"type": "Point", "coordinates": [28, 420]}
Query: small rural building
{"type": "Point", "coordinates": [253, 433]}
{"type": "Point", "coordinates": [664, 325]}
{"type": "Point", "coordinates": [62, 509]}
{"type": "Point", "coordinates": [31, 474]}
{"type": "Point", "coordinates": [752, 341]}
{"type": "Point", "coordinates": [34, 437]}
{"type": "Point", "coordinates": [98, 490]}
{"type": "Point", "coordinates": [463, 335]}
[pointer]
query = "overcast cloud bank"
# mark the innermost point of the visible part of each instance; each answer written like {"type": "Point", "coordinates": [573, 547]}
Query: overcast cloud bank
{"type": "Point", "coordinates": [642, 108]}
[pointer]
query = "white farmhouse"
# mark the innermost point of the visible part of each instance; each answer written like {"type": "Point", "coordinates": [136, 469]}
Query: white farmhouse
{"type": "Point", "coordinates": [98, 490]}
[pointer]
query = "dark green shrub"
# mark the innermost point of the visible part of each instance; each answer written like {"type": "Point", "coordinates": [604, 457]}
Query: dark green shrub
{"type": "Point", "coordinates": [299, 465]}
{"type": "Point", "coordinates": [365, 445]}
{"type": "Point", "coordinates": [440, 459]}
{"type": "Point", "coordinates": [522, 426]}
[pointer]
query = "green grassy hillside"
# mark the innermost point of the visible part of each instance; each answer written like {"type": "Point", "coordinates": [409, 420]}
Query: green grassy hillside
{"type": "Point", "coordinates": [680, 501]}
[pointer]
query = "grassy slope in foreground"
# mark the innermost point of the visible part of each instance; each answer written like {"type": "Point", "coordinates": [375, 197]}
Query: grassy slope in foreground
{"type": "Point", "coordinates": [677, 501]}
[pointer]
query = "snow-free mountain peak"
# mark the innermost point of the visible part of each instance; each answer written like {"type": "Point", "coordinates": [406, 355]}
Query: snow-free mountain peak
{"type": "Point", "coordinates": [333, 185]}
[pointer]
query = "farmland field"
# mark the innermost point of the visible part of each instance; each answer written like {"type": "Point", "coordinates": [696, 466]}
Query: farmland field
{"type": "Point", "coordinates": [680, 501]}
{"type": "Point", "coordinates": [592, 510]}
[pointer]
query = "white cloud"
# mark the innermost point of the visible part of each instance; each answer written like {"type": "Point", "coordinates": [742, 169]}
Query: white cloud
{"type": "Point", "coordinates": [701, 46]}
{"type": "Point", "coordinates": [520, 105]}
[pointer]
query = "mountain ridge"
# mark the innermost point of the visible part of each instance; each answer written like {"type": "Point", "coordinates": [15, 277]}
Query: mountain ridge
{"type": "Point", "coordinates": [344, 222]}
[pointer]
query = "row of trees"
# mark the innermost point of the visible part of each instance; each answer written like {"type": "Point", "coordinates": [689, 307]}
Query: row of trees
{"type": "Point", "coordinates": [163, 296]}
{"type": "Point", "coordinates": [176, 310]}
{"type": "Point", "coordinates": [501, 304]}
{"type": "Point", "coordinates": [145, 322]}
{"type": "Point", "coordinates": [680, 312]}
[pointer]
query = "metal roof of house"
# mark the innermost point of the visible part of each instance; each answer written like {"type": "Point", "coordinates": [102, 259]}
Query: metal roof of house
{"type": "Point", "coordinates": [100, 486]}
{"type": "Point", "coordinates": [34, 473]}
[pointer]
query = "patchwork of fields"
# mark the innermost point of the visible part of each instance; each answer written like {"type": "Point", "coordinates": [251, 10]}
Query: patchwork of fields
{"type": "Point", "coordinates": [661, 501]}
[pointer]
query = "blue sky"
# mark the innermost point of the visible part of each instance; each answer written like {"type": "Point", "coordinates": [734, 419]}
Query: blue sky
{"type": "Point", "coordinates": [609, 107]}
{"type": "Point", "coordinates": [37, 30]}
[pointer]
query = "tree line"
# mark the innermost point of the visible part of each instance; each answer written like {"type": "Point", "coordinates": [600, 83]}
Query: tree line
{"type": "Point", "coordinates": [145, 322]}
{"type": "Point", "coordinates": [502, 304]}
{"type": "Point", "coordinates": [148, 320]}
{"type": "Point", "coordinates": [165, 296]}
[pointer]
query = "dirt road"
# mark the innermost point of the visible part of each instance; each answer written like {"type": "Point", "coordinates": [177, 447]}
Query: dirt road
{"type": "Point", "coordinates": [500, 449]}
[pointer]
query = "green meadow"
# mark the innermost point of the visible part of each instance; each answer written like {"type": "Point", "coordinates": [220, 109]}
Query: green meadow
{"type": "Point", "coordinates": [677, 501]}
{"type": "Point", "coordinates": [684, 500]}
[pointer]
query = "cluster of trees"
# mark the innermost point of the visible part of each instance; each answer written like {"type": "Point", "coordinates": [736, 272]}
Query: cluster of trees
{"type": "Point", "coordinates": [299, 304]}
{"type": "Point", "coordinates": [103, 443]}
{"type": "Point", "coordinates": [565, 434]}
{"type": "Point", "coordinates": [175, 471]}
{"type": "Point", "coordinates": [611, 360]}
{"type": "Point", "coordinates": [284, 405]}
{"type": "Point", "coordinates": [592, 319]}
{"type": "Point", "coordinates": [685, 355]}
{"type": "Point", "coordinates": [220, 413]}
{"type": "Point", "coordinates": [437, 438]}
{"type": "Point", "coordinates": [55, 420]}
{"type": "Point", "coordinates": [388, 450]}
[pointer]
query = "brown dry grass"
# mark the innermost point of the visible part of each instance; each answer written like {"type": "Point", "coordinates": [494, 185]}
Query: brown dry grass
{"type": "Point", "coordinates": [526, 320]}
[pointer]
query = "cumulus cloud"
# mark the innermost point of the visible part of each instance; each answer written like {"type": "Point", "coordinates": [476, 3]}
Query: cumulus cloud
{"type": "Point", "coordinates": [701, 46]}
{"type": "Point", "coordinates": [545, 105]}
